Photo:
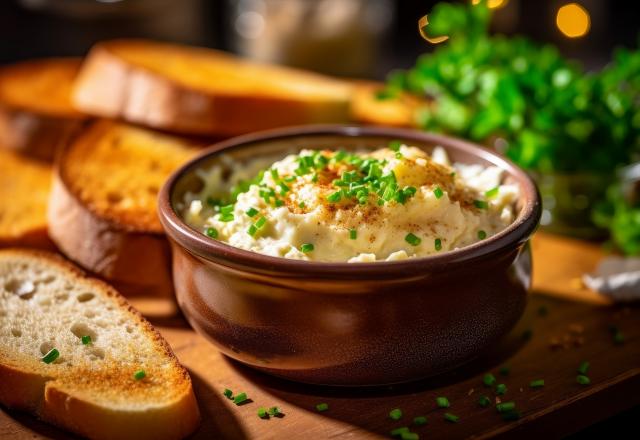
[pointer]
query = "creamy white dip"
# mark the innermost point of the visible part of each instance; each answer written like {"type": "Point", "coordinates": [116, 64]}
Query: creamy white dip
{"type": "Point", "coordinates": [390, 204]}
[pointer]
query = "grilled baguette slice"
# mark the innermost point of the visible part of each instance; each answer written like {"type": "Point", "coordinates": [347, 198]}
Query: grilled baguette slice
{"type": "Point", "coordinates": [90, 389]}
{"type": "Point", "coordinates": [24, 191]}
{"type": "Point", "coordinates": [36, 114]}
{"type": "Point", "coordinates": [202, 91]}
{"type": "Point", "coordinates": [102, 209]}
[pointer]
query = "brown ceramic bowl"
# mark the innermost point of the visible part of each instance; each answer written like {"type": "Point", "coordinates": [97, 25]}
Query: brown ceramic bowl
{"type": "Point", "coordinates": [341, 323]}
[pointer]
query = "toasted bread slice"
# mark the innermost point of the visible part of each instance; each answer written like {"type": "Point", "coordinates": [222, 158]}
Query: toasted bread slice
{"type": "Point", "coordinates": [36, 114]}
{"type": "Point", "coordinates": [366, 108]}
{"type": "Point", "coordinates": [202, 91]}
{"type": "Point", "coordinates": [102, 209]}
{"type": "Point", "coordinates": [47, 303]}
{"type": "Point", "coordinates": [24, 191]}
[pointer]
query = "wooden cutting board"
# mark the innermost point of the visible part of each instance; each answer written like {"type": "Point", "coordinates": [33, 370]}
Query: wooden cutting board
{"type": "Point", "coordinates": [561, 313]}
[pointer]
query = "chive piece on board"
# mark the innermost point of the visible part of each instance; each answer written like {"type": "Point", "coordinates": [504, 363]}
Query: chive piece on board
{"type": "Point", "coordinates": [228, 393]}
{"type": "Point", "coordinates": [51, 356]}
{"type": "Point", "coordinates": [86, 340]}
{"type": "Point", "coordinates": [442, 402]}
{"type": "Point", "coordinates": [399, 431]}
{"type": "Point", "coordinates": [139, 375]}
{"type": "Point", "coordinates": [420, 420]}
{"type": "Point", "coordinates": [274, 411]}
{"type": "Point", "coordinates": [484, 401]}
{"type": "Point", "coordinates": [505, 407]}
{"type": "Point", "coordinates": [582, 379]}
{"type": "Point", "coordinates": [409, 436]}
{"type": "Point", "coordinates": [240, 398]}
{"type": "Point", "coordinates": [501, 389]}
{"type": "Point", "coordinates": [584, 368]}
{"type": "Point", "coordinates": [489, 380]}
{"type": "Point", "coordinates": [451, 418]}
{"type": "Point", "coordinates": [262, 413]}
{"type": "Point", "coordinates": [395, 414]}
{"type": "Point", "coordinates": [321, 407]}
{"type": "Point", "coordinates": [538, 383]}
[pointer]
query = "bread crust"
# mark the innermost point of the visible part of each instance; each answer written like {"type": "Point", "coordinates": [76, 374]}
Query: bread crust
{"type": "Point", "coordinates": [25, 387]}
{"type": "Point", "coordinates": [138, 261]}
{"type": "Point", "coordinates": [31, 130]}
{"type": "Point", "coordinates": [109, 86]}
{"type": "Point", "coordinates": [396, 112]}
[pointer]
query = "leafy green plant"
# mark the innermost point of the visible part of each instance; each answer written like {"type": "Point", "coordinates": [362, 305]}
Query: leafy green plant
{"type": "Point", "coordinates": [548, 113]}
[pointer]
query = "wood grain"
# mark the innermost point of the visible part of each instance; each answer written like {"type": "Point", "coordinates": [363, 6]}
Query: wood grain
{"type": "Point", "coordinates": [575, 317]}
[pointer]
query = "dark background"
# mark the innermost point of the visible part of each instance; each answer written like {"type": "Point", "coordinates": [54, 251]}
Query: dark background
{"type": "Point", "coordinates": [36, 28]}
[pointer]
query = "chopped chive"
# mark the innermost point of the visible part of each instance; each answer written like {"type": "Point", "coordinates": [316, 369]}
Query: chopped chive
{"type": "Point", "coordinates": [399, 155]}
{"type": "Point", "coordinates": [353, 234]}
{"type": "Point", "coordinates": [51, 356]}
{"type": "Point", "coordinates": [139, 375]}
{"type": "Point", "coordinates": [302, 205]}
{"type": "Point", "coordinates": [489, 380]}
{"type": "Point", "coordinates": [480, 204]}
{"type": "Point", "coordinates": [484, 401]}
{"type": "Point", "coordinates": [251, 212]}
{"type": "Point", "coordinates": [409, 436]}
{"type": "Point", "coordinates": [227, 209]}
{"type": "Point", "coordinates": [274, 411]}
{"type": "Point", "coordinates": [412, 239]}
{"type": "Point", "coordinates": [226, 218]}
{"type": "Point", "coordinates": [504, 370]}
{"type": "Point", "coordinates": [228, 393]}
{"type": "Point", "coordinates": [240, 398]}
{"type": "Point", "coordinates": [451, 418]}
{"type": "Point", "coordinates": [278, 203]}
{"type": "Point", "coordinates": [501, 389]}
{"type": "Point", "coordinates": [262, 413]}
{"type": "Point", "coordinates": [290, 178]}
{"type": "Point", "coordinates": [395, 414]}
{"type": "Point", "coordinates": [283, 188]}
{"type": "Point", "coordinates": [453, 174]}
{"type": "Point", "coordinates": [252, 230]}
{"type": "Point", "coordinates": [274, 174]}
{"type": "Point", "coordinates": [583, 379]}
{"type": "Point", "coordinates": [306, 248]}
{"type": "Point", "coordinates": [584, 368]}
{"type": "Point", "coordinates": [395, 145]}
{"type": "Point", "coordinates": [399, 431]}
{"type": "Point", "coordinates": [86, 340]}
{"type": "Point", "coordinates": [212, 232]}
{"type": "Point", "coordinates": [538, 383]}
{"type": "Point", "coordinates": [482, 235]}
{"type": "Point", "coordinates": [505, 407]}
{"type": "Point", "coordinates": [492, 192]}
{"type": "Point", "coordinates": [314, 178]}
{"type": "Point", "coordinates": [420, 420]}
{"type": "Point", "coordinates": [334, 197]}
{"type": "Point", "coordinates": [438, 192]}
{"type": "Point", "coordinates": [511, 415]}
{"type": "Point", "coordinates": [438, 244]}
{"type": "Point", "coordinates": [321, 407]}
{"type": "Point", "coordinates": [442, 402]}
{"type": "Point", "coordinates": [260, 222]}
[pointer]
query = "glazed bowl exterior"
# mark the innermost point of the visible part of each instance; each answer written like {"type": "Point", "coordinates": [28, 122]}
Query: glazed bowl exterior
{"type": "Point", "coordinates": [345, 323]}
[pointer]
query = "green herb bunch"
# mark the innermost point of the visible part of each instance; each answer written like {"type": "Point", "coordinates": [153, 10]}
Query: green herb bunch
{"type": "Point", "coordinates": [540, 109]}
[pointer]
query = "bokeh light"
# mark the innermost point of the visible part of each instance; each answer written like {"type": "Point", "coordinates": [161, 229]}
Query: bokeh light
{"type": "Point", "coordinates": [492, 4]}
{"type": "Point", "coordinates": [573, 20]}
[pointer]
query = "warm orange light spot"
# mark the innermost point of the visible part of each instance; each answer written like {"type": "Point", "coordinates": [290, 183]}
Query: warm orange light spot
{"type": "Point", "coordinates": [573, 20]}
{"type": "Point", "coordinates": [422, 26]}
{"type": "Point", "coordinates": [492, 4]}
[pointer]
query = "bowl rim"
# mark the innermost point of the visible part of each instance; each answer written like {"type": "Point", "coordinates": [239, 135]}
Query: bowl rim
{"type": "Point", "coordinates": [512, 237]}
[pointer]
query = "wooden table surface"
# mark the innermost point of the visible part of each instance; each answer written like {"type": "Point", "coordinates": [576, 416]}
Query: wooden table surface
{"type": "Point", "coordinates": [567, 325]}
